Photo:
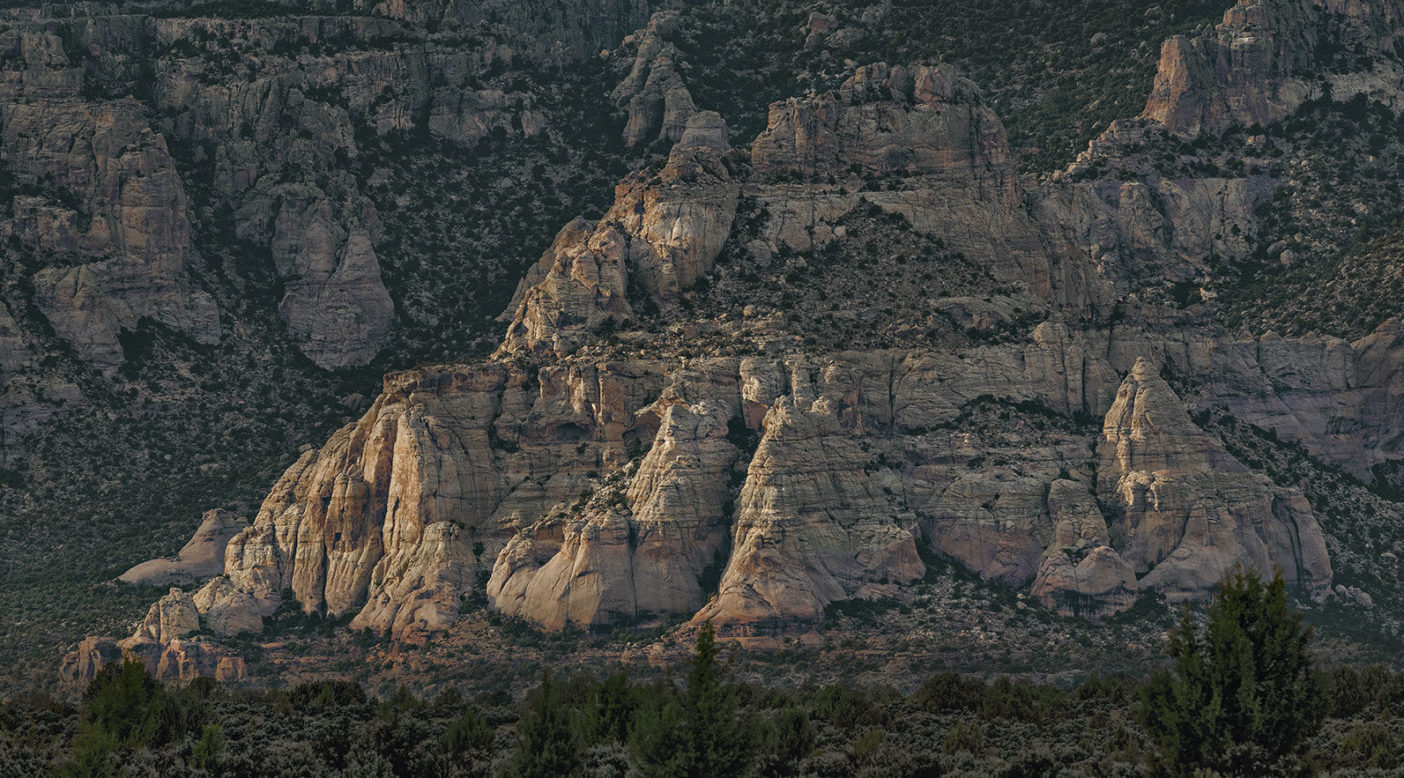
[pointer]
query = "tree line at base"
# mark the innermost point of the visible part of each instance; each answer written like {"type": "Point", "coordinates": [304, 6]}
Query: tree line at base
{"type": "Point", "coordinates": [1240, 697]}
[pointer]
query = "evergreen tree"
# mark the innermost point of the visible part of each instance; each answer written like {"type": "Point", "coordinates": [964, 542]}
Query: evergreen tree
{"type": "Point", "coordinates": [466, 744]}
{"type": "Point", "coordinates": [609, 710]}
{"type": "Point", "coordinates": [786, 740]}
{"type": "Point", "coordinates": [208, 753]}
{"type": "Point", "coordinates": [123, 709]}
{"type": "Point", "coordinates": [1242, 695]}
{"type": "Point", "coordinates": [701, 733]}
{"type": "Point", "coordinates": [658, 739]}
{"type": "Point", "coordinates": [547, 744]}
{"type": "Point", "coordinates": [720, 737]}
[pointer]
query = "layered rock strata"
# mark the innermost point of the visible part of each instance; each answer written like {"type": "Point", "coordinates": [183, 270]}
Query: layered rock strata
{"type": "Point", "coordinates": [574, 484]}
{"type": "Point", "coordinates": [1188, 512]}
{"type": "Point", "coordinates": [927, 137]}
{"type": "Point", "coordinates": [536, 488]}
{"type": "Point", "coordinates": [104, 193]}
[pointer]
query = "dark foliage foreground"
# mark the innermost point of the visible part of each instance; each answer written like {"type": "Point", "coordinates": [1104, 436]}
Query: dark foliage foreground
{"type": "Point", "coordinates": [1241, 698]}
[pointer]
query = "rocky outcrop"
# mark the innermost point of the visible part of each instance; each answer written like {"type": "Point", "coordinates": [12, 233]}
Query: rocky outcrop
{"type": "Point", "coordinates": [174, 659]}
{"type": "Point", "coordinates": [400, 513]}
{"type": "Point", "coordinates": [535, 489]}
{"type": "Point", "coordinates": [886, 121]}
{"type": "Point", "coordinates": [574, 483]}
{"type": "Point", "coordinates": [453, 474]}
{"type": "Point", "coordinates": [1081, 574]}
{"type": "Point", "coordinates": [185, 660]}
{"type": "Point", "coordinates": [813, 528]}
{"type": "Point", "coordinates": [1336, 398]}
{"type": "Point", "coordinates": [640, 546]}
{"type": "Point", "coordinates": [653, 96]}
{"type": "Point", "coordinates": [1186, 510]}
{"type": "Point", "coordinates": [173, 616]}
{"type": "Point", "coordinates": [662, 233]}
{"type": "Point", "coordinates": [1267, 58]}
{"type": "Point", "coordinates": [1141, 232]}
{"type": "Point", "coordinates": [1090, 582]}
{"type": "Point", "coordinates": [1139, 226]}
{"type": "Point", "coordinates": [917, 141]}
{"type": "Point", "coordinates": [83, 663]}
{"type": "Point", "coordinates": [106, 196]}
{"type": "Point", "coordinates": [201, 558]}
{"type": "Point", "coordinates": [267, 112]}
{"type": "Point", "coordinates": [334, 303]}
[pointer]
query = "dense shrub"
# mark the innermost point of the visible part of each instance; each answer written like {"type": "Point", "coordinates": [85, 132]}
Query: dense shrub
{"type": "Point", "coordinates": [1242, 694]}
{"type": "Point", "coordinates": [1241, 699]}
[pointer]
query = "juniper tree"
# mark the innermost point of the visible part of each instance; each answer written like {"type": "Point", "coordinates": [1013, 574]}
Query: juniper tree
{"type": "Point", "coordinates": [548, 743]}
{"type": "Point", "coordinates": [1242, 694]}
{"type": "Point", "coordinates": [700, 733]}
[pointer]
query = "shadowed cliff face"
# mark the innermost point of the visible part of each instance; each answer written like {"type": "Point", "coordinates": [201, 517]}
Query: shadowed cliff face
{"type": "Point", "coordinates": [1267, 58]}
{"type": "Point", "coordinates": [659, 438]}
{"type": "Point", "coordinates": [133, 135]}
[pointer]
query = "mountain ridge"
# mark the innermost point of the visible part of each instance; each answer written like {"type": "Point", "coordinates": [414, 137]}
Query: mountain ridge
{"type": "Point", "coordinates": [675, 411]}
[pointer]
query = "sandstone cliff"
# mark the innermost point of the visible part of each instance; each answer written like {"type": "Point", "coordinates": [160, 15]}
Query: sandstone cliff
{"type": "Point", "coordinates": [106, 193]}
{"type": "Point", "coordinates": [653, 94]}
{"type": "Point", "coordinates": [1189, 512]}
{"type": "Point", "coordinates": [630, 454]}
{"type": "Point", "coordinates": [524, 487]}
{"type": "Point", "coordinates": [1266, 58]}
{"type": "Point", "coordinates": [663, 232]}
{"type": "Point", "coordinates": [199, 559]}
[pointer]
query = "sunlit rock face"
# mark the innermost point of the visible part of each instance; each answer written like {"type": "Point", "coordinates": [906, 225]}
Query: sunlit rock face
{"type": "Point", "coordinates": [579, 479]}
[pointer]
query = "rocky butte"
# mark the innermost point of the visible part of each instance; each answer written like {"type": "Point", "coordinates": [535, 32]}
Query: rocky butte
{"type": "Point", "coordinates": [630, 454]}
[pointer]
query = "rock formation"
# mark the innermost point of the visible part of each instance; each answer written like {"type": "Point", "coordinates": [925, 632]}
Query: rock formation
{"type": "Point", "coordinates": [108, 196]}
{"type": "Point", "coordinates": [488, 474]}
{"type": "Point", "coordinates": [594, 471]}
{"type": "Point", "coordinates": [1081, 573]}
{"type": "Point", "coordinates": [334, 302]}
{"type": "Point", "coordinates": [161, 643]}
{"type": "Point", "coordinates": [662, 234]}
{"type": "Point", "coordinates": [812, 528]}
{"type": "Point", "coordinates": [1267, 58]}
{"type": "Point", "coordinates": [636, 549]}
{"type": "Point", "coordinates": [273, 134]}
{"type": "Point", "coordinates": [653, 95]}
{"type": "Point", "coordinates": [201, 558]}
{"type": "Point", "coordinates": [884, 121]}
{"type": "Point", "coordinates": [1156, 229]}
{"type": "Point", "coordinates": [1188, 511]}
{"type": "Point", "coordinates": [921, 142]}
